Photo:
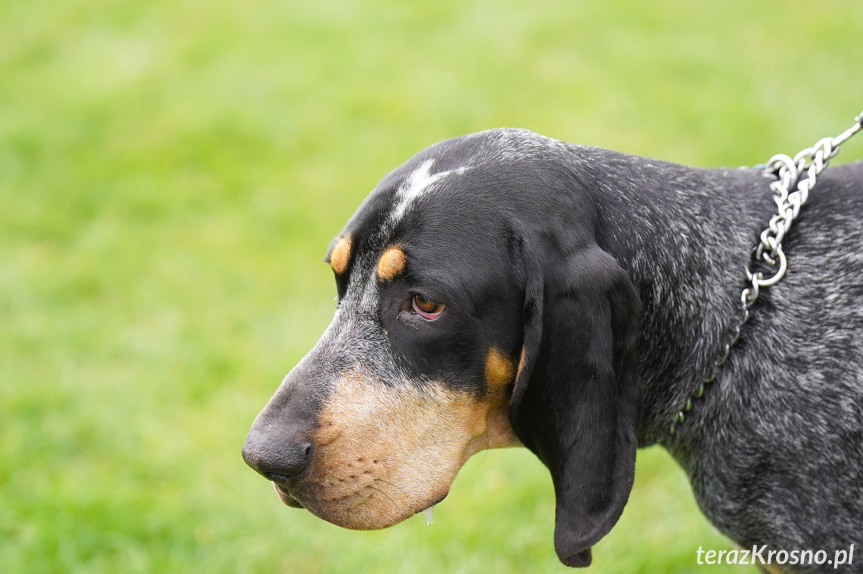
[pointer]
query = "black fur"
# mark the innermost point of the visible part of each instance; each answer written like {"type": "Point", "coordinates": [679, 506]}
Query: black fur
{"type": "Point", "coordinates": [575, 401]}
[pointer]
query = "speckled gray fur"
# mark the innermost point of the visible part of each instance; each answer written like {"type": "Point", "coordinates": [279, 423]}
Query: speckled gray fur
{"type": "Point", "coordinates": [774, 450]}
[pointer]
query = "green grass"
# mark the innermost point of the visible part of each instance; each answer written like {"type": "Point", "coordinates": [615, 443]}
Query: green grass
{"type": "Point", "coordinates": [171, 174]}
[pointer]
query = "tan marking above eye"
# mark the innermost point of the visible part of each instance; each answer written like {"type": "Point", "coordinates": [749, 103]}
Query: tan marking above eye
{"type": "Point", "coordinates": [391, 263]}
{"type": "Point", "coordinates": [499, 370]}
{"type": "Point", "coordinates": [341, 255]}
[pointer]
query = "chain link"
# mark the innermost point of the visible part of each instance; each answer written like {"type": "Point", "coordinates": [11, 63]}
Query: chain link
{"type": "Point", "coordinates": [801, 171]}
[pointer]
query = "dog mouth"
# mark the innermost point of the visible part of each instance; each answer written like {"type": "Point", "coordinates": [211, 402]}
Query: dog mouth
{"type": "Point", "coordinates": [286, 497]}
{"type": "Point", "coordinates": [322, 503]}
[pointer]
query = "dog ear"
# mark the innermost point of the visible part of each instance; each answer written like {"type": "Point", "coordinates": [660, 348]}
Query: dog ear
{"type": "Point", "coordinates": [575, 400]}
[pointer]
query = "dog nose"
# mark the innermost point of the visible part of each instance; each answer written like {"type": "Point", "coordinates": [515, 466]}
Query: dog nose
{"type": "Point", "coordinates": [277, 460]}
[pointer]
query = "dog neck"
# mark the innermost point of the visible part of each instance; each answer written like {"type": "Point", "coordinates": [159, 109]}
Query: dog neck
{"type": "Point", "coordinates": [684, 236]}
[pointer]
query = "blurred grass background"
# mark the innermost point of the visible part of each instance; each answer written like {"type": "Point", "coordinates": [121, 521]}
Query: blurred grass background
{"type": "Point", "coordinates": [171, 173]}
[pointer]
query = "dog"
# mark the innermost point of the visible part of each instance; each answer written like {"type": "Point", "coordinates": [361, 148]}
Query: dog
{"type": "Point", "coordinates": [505, 289]}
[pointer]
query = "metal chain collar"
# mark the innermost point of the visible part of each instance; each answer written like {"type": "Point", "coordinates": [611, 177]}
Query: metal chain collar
{"type": "Point", "coordinates": [803, 171]}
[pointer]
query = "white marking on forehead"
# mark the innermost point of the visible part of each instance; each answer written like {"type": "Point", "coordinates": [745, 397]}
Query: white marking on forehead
{"type": "Point", "coordinates": [416, 185]}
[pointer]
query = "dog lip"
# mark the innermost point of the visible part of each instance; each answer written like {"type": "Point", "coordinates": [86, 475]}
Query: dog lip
{"type": "Point", "coordinates": [286, 497]}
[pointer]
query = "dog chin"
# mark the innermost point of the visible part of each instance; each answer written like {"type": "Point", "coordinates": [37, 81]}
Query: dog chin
{"type": "Point", "coordinates": [360, 513]}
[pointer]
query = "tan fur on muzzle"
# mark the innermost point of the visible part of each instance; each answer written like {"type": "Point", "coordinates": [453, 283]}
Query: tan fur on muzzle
{"type": "Point", "coordinates": [386, 452]}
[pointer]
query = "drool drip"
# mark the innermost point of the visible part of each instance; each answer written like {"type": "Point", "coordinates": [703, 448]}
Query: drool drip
{"type": "Point", "coordinates": [428, 513]}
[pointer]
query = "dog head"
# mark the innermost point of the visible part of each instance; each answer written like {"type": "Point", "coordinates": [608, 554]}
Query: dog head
{"type": "Point", "coordinates": [476, 310]}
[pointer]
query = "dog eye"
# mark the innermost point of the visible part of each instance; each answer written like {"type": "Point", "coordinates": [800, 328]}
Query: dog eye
{"type": "Point", "coordinates": [426, 308]}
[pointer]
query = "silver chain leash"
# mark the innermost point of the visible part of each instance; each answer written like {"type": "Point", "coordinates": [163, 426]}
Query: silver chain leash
{"type": "Point", "coordinates": [803, 170]}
